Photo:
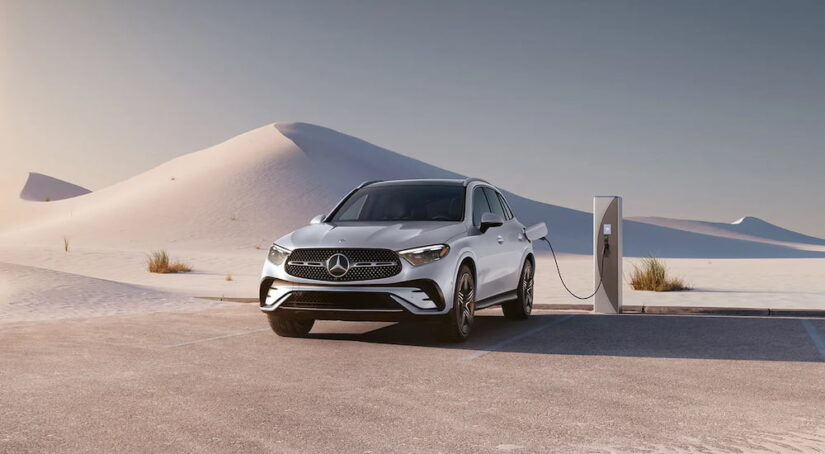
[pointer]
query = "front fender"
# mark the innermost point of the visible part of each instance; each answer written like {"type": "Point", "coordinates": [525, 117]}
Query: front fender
{"type": "Point", "coordinates": [465, 253]}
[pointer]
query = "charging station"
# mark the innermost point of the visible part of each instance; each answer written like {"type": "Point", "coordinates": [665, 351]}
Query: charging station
{"type": "Point", "coordinates": [607, 254]}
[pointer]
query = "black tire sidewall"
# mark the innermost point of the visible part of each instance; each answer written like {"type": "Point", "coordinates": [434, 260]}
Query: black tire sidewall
{"type": "Point", "coordinates": [288, 327]}
{"type": "Point", "coordinates": [516, 309]}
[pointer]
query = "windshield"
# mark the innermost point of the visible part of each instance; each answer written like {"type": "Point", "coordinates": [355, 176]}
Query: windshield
{"type": "Point", "coordinates": [408, 202]}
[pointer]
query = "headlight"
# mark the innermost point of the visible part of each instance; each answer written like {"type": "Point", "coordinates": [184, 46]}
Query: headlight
{"type": "Point", "coordinates": [277, 254]}
{"type": "Point", "coordinates": [423, 255]}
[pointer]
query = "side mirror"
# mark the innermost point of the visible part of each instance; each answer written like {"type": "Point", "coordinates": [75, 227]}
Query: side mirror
{"type": "Point", "coordinates": [489, 220]}
{"type": "Point", "coordinates": [536, 231]}
{"type": "Point", "coordinates": [317, 219]}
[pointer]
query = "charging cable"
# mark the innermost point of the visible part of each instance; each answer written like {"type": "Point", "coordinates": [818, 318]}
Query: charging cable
{"type": "Point", "coordinates": [601, 270]}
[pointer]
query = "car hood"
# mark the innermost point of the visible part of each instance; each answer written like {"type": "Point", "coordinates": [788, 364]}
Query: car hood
{"type": "Point", "coordinates": [383, 235]}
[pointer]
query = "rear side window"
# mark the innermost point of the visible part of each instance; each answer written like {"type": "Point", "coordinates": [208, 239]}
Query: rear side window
{"type": "Point", "coordinates": [506, 206]}
{"type": "Point", "coordinates": [495, 203]}
{"type": "Point", "coordinates": [480, 205]}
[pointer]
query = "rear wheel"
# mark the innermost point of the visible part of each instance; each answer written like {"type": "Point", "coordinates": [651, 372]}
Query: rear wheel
{"type": "Point", "coordinates": [521, 307]}
{"type": "Point", "coordinates": [287, 327]}
{"type": "Point", "coordinates": [459, 321]}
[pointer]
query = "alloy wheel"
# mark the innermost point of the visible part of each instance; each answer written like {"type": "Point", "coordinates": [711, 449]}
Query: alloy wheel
{"type": "Point", "coordinates": [528, 280]}
{"type": "Point", "coordinates": [466, 302]}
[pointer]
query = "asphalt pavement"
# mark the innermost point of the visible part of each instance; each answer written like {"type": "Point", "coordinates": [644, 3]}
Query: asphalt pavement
{"type": "Point", "coordinates": [219, 380]}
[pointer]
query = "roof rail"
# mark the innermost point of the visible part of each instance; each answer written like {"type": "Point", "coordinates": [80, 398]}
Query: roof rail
{"type": "Point", "coordinates": [469, 180]}
{"type": "Point", "coordinates": [367, 183]}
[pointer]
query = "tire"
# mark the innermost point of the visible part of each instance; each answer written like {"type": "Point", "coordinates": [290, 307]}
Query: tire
{"type": "Point", "coordinates": [459, 322]}
{"type": "Point", "coordinates": [521, 307]}
{"type": "Point", "coordinates": [287, 327]}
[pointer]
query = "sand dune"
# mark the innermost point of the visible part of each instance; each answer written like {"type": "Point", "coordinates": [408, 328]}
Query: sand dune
{"type": "Point", "coordinates": [261, 184]}
{"type": "Point", "coordinates": [27, 196]}
{"type": "Point", "coordinates": [43, 188]}
{"type": "Point", "coordinates": [236, 193]}
{"type": "Point", "coordinates": [746, 228]}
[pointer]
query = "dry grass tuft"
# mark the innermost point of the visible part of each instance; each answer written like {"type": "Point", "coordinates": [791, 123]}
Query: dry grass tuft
{"type": "Point", "coordinates": [652, 275]}
{"type": "Point", "coordinates": [66, 244]}
{"type": "Point", "coordinates": [228, 277]}
{"type": "Point", "coordinates": [159, 262]}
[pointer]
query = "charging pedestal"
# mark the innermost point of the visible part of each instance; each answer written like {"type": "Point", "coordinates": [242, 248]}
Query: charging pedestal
{"type": "Point", "coordinates": [607, 232]}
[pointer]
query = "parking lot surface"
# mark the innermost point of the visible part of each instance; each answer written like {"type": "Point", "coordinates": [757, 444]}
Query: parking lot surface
{"type": "Point", "coordinates": [220, 380]}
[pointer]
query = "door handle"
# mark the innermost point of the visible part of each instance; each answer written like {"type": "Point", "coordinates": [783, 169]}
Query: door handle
{"type": "Point", "coordinates": [500, 239]}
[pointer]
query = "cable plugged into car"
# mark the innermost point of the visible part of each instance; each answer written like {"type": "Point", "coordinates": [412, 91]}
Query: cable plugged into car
{"type": "Point", "coordinates": [607, 229]}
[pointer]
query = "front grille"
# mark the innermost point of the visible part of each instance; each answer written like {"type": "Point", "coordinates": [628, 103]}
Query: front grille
{"type": "Point", "coordinates": [365, 264]}
{"type": "Point", "coordinates": [340, 300]}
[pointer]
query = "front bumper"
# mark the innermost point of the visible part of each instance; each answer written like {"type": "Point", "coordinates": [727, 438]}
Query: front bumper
{"type": "Point", "coordinates": [397, 301]}
{"type": "Point", "coordinates": [437, 279]}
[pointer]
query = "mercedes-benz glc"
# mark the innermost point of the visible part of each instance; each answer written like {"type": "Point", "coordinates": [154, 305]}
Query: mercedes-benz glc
{"type": "Point", "coordinates": [427, 250]}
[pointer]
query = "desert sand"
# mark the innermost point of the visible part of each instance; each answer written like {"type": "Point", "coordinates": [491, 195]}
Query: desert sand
{"type": "Point", "coordinates": [43, 283]}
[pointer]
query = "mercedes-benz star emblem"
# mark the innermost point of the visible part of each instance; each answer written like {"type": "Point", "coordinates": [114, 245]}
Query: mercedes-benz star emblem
{"type": "Point", "coordinates": [337, 265]}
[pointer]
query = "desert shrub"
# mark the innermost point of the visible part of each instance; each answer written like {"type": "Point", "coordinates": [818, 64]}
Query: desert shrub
{"type": "Point", "coordinates": [651, 274]}
{"type": "Point", "coordinates": [228, 277]}
{"type": "Point", "coordinates": [159, 262]}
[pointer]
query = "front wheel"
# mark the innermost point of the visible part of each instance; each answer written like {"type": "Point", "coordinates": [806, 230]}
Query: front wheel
{"type": "Point", "coordinates": [459, 322]}
{"type": "Point", "coordinates": [287, 327]}
{"type": "Point", "coordinates": [521, 307]}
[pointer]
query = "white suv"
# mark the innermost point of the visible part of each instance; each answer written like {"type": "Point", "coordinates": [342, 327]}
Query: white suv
{"type": "Point", "coordinates": [401, 250]}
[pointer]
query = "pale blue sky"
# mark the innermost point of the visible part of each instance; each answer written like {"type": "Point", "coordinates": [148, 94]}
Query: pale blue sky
{"type": "Point", "coordinates": [710, 110]}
